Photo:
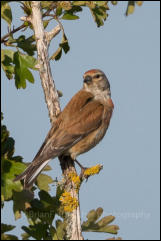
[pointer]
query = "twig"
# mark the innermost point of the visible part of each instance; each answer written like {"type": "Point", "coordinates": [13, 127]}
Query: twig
{"type": "Point", "coordinates": [3, 39]}
{"type": "Point", "coordinates": [50, 35]}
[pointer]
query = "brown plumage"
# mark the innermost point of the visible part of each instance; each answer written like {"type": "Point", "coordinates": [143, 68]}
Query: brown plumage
{"type": "Point", "coordinates": [79, 127]}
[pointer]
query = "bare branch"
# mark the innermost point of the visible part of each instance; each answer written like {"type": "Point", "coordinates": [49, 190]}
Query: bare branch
{"type": "Point", "coordinates": [3, 39]}
{"type": "Point", "coordinates": [50, 35]}
{"type": "Point", "coordinates": [73, 219]}
{"type": "Point", "coordinates": [26, 18]}
{"type": "Point", "coordinates": [48, 84]}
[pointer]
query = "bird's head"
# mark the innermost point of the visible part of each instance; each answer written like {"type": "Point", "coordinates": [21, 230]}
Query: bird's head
{"type": "Point", "coordinates": [96, 82]}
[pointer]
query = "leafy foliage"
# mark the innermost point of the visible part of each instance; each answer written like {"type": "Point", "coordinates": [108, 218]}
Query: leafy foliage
{"type": "Point", "coordinates": [7, 62]}
{"type": "Point", "coordinates": [43, 182]}
{"type": "Point", "coordinates": [11, 165]}
{"type": "Point", "coordinates": [6, 12]}
{"type": "Point", "coordinates": [63, 46]}
{"type": "Point", "coordinates": [93, 224]}
{"type": "Point", "coordinates": [5, 228]}
{"type": "Point", "coordinates": [26, 44]}
{"type": "Point", "coordinates": [17, 64]}
{"type": "Point", "coordinates": [63, 10]}
{"type": "Point", "coordinates": [131, 6]}
{"type": "Point", "coordinates": [41, 214]}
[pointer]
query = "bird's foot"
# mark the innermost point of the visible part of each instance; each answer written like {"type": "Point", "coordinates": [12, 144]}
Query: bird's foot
{"type": "Point", "coordinates": [83, 169]}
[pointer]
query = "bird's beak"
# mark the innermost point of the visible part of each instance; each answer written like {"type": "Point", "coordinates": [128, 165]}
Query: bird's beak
{"type": "Point", "coordinates": [88, 79]}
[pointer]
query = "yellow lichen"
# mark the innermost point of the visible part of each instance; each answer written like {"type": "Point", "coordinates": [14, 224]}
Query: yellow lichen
{"type": "Point", "coordinates": [69, 203]}
{"type": "Point", "coordinates": [75, 179]}
{"type": "Point", "coordinates": [92, 170]}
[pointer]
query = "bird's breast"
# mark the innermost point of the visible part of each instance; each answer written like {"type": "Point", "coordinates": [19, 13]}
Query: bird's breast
{"type": "Point", "coordinates": [91, 140]}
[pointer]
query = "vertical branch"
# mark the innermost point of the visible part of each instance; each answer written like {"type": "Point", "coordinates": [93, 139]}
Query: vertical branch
{"type": "Point", "coordinates": [73, 219]}
{"type": "Point", "coordinates": [51, 96]}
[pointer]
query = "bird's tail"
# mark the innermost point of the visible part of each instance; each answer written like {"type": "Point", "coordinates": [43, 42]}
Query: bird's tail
{"type": "Point", "coordinates": [31, 173]}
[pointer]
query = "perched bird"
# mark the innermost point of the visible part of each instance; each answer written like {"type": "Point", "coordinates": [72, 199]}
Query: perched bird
{"type": "Point", "coordinates": [79, 127]}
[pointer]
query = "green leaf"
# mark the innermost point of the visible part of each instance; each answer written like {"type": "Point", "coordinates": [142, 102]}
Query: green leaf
{"type": "Point", "coordinates": [8, 146]}
{"type": "Point", "coordinates": [26, 44]}
{"type": "Point", "coordinates": [74, 9]}
{"type": "Point", "coordinates": [99, 14]}
{"type": "Point", "coordinates": [69, 16]}
{"type": "Point", "coordinates": [7, 62]}
{"type": "Point", "coordinates": [139, 3]}
{"type": "Point", "coordinates": [36, 204]}
{"type": "Point", "coordinates": [43, 210]}
{"type": "Point", "coordinates": [66, 5]}
{"type": "Point", "coordinates": [22, 63]}
{"type": "Point", "coordinates": [45, 197]}
{"type": "Point", "coordinates": [91, 4]}
{"type": "Point", "coordinates": [37, 231]}
{"type": "Point", "coordinates": [105, 221]}
{"type": "Point", "coordinates": [45, 216]}
{"type": "Point", "coordinates": [47, 168]}
{"type": "Point", "coordinates": [57, 55]}
{"type": "Point", "coordinates": [64, 44]}
{"type": "Point", "coordinates": [101, 3]}
{"type": "Point", "coordinates": [26, 6]}
{"type": "Point", "coordinates": [21, 202]}
{"type": "Point", "coordinates": [60, 230]}
{"type": "Point", "coordinates": [17, 63]}
{"type": "Point", "coordinates": [130, 7]}
{"type": "Point", "coordinates": [6, 227]}
{"type": "Point", "coordinates": [29, 61]}
{"type": "Point", "coordinates": [113, 229]}
{"type": "Point", "coordinates": [94, 215]}
{"type": "Point", "coordinates": [2, 116]}
{"type": "Point", "coordinates": [79, 3]}
{"type": "Point", "coordinates": [58, 11]}
{"type": "Point", "coordinates": [8, 237]}
{"type": "Point", "coordinates": [102, 225]}
{"type": "Point", "coordinates": [6, 12]}
{"type": "Point", "coordinates": [43, 182]}
{"type": "Point", "coordinates": [114, 2]}
{"type": "Point", "coordinates": [7, 143]}
{"type": "Point", "coordinates": [10, 167]}
{"type": "Point", "coordinates": [45, 23]}
{"type": "Point", "coordinates": [46, 4]}
{"type": "Point", "coordinates": [9, 170]}
{"type": "Point", "coordinates": [25, 236]}
{"type": "Point", "coordinates": [53, 233]}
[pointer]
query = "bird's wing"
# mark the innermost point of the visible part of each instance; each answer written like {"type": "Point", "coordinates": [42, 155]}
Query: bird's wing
{"type": "Point", "coordinates": [72, 129]}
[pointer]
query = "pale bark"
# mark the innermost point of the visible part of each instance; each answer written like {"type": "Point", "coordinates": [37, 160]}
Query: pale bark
{"type": "Point", "coordinates": [43, 39]}
{"type": "Point", "coordinates": [42, 43]}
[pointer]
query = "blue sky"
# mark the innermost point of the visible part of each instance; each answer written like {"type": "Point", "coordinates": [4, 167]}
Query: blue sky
{"type": "Point", "coordinates": [127, 49]}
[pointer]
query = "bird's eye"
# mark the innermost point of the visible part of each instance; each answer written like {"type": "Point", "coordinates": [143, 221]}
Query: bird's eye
{"type": "Point", "coordinates": [97, 76]}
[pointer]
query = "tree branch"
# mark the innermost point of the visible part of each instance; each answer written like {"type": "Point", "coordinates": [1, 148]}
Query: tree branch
{"type": "Point", "coordinates": [73, 219]}
{"type": "Point", "coordinates": [3, 39]}
{"type": "Point", "coordinates": [51, 96]}
{"type": "Point", "coordinates": [50, 35]}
